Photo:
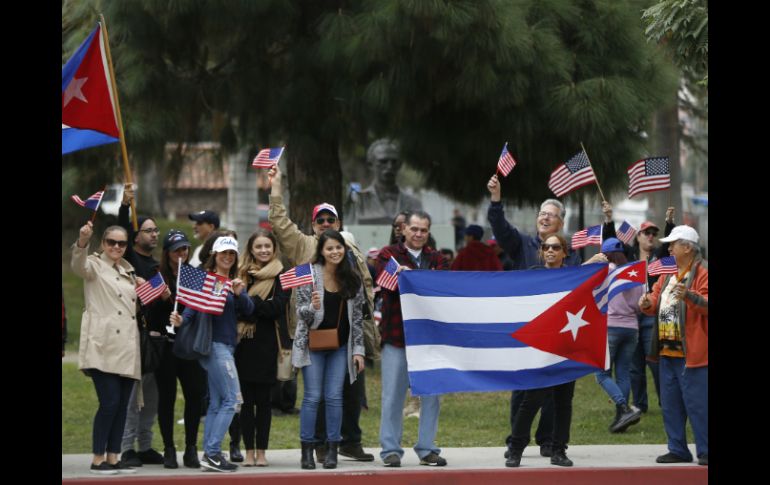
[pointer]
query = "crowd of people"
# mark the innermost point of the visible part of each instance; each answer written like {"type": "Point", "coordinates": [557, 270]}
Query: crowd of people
{"type": "Point", "coordinates": [330, 327]}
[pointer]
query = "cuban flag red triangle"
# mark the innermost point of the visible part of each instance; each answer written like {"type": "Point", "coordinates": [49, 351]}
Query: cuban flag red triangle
{"type": "Point", "coordinates": [88, 113]}
{"type": "Point", "coordinates": [573, 328]}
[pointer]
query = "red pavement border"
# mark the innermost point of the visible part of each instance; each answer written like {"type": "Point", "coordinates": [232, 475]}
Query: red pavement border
{"type": "Point", "coordinates": [680, 475]}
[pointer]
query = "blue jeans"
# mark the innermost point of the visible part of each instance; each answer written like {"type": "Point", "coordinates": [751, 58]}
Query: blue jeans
{"type": "Point", "coordinates": [224, 395]}
{"type": "Point", "coordinates": [323, 380]}
{"type": "Point", "coordinates": [622, 343]}
{"type": "Point", "coordinates": [639, 363]}
{"type": "Point", "coordinates": [684, 394]}
{"type": "Point", "coordinates": [395, 381]}
{"type": "Point", "coordinates": [113, 392]}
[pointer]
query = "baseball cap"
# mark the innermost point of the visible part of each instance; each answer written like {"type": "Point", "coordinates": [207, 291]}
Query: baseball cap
{"type": "Point", "coordinates": [612, 245]}
{"type": "Point", "coordinates": [225, 243]}
{"type": "Point", "coordinates": [174, 240]}
{"type": "Point", "coordinates": [474, 230]}
{"type": "Point", "coordinates": [682, 232]}
{"type": "Point", "coordinates": [324, 206]}
{"type": "Point", "coordinates": [646, 225]}
{"type": "Point", "coordinates": [209, 217]}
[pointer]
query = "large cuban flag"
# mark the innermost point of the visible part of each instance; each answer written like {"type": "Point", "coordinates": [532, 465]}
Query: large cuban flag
{"type": "Point", "coordinates": [494, 331]}
{"type": "Point", "coordinates": [88, 112]}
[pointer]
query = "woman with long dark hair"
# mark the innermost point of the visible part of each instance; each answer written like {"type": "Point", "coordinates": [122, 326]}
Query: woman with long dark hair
{"type": "Point", "coordinates": [224, 389]}
{"type": "Point", "coordinates": [333, 301]}
{"type": "Point", "coordinates": [192, 377]}
{"type": "Point", "coordinates": [257, 350]}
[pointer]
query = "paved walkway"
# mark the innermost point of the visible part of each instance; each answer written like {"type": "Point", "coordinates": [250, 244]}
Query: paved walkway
{"type": "Point", "coordinates": [287, 461]}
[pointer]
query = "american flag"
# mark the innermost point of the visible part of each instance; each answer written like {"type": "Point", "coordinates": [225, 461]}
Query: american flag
{"type": "Point", "coordinates": [649, 175]}
{"type": "Point", "coordinates": [389, 278]}
{"type": "Point", "coordinates": [576, 172]}
{"type": "Point", "coordinates": [506, 162]}
{"type": "Point", "coordinates": [588, 236]}
{"type": "Point", "coordinates": [626, 232]}
{"type": "Point", "coordinates": [297, 276]}
{"type": "Point", "coordinates": [661, 266]}
{"type": "Point", "coordinates": [267, 158]}
{"type": "Point", "coordinates": [151, 289]}
{"type": "Point", "coordinates": [91, 202]}
{"type": "Point", "coordinates": [202, 291]}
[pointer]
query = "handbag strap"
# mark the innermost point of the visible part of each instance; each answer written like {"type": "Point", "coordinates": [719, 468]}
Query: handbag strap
{"type": "Point", "coordinates": [278, 337]}
{"type": "Point", "coordinates": [339, 315]}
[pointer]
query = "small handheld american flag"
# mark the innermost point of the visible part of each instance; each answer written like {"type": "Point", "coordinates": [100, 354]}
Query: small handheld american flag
{"type": "Point", "coordinates": [151, 289]}
{"type": "Point", "coordinates": [588, 236]}
{"type": "Point", "coordinates": [575, 172]}
{"type": "Point", "coordinates": [297, 276]}
{"type": "Point", "coordinates": [389, 276]}
{"type": "Point", "coordinates": [506, 162]}
{"type": "Point", "coordinates": [666, 265]}
{"type": "Point", "coordinates": [649, 175]}
{"type": "Point", "coordinates": [626, 232]}
{"type": "Point", "coordinates": [267, 158]}
{"type": "Point", "coordinates": [202, 291]}
{"type": "Point", "coordinates": [91, 202]}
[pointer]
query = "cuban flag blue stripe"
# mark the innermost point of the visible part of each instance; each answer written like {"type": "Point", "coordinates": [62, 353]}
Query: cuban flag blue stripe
{"type": "Point", "coordinates": [74, 139]}
{"type": "Point", "coordinates": [493, 284]}
{"type": "Point", "coordinates": [486, 336]}
{"type": "Point", "coordinates": [453, 380]}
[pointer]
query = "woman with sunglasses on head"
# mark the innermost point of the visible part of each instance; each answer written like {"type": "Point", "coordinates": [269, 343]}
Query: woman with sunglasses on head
{"type": "Point", "coordinates": [257, 351]}
{"type": "Point", "coordinates": [192, 377]}
{"type": "Point", "coordinates": [224, 390]}
{"type": "Point", "coordinates": [334, 300]}
{"type": "Point", "coordinates": [553, 253]}
{"type": "Point", "coordinates": [109, 339]}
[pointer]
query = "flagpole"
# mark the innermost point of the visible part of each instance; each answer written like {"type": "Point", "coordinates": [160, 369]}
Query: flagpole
{"type": "Point", "coordinates": [594, 171]}
{"type": "Point", "coordinates": [178, 275]}
{"type": "Point", "coordinates": [124, 151]}
{"type": "Point", "coordinates": [93, 216]}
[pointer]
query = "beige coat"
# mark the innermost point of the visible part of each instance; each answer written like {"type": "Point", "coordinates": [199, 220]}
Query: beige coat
{"type": "Point", "coordinates": [109, 335]}
{"type": "Point", "coordinates": [300, 248]}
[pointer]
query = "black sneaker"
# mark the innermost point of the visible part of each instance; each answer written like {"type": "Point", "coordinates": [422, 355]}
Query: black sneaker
{"type": "Point", "coordinates": [393, 461]}
{"type": "Point", "coordinates": [190, 457]}
{"type": "Point", "coordinates": [560, 458]}
{"type": "Point", "coordinates": [150, 457]}
{"type": "Point", "coordinates": [546, 451]}
{"type": "Point", "coordinates": [121, 467]}
{"type": "Point", "coordinates": [513, 459]}
{"type": "Point", "coordinates": [628, 416]}
{"type": "Point", "coordinates": [131, 458]}
{"type": "Point", "coordinates": [217, 463]}
{"type": "Point", "coordinates": [672, 458]}
{"type": "Point", "coordinates": [103, 468]}
{"type": "Point", "coordinates": [432, 459]}
{"type": "Point", "coordinates": [703, 460]}
{"type": "Point", "coordinates": [356, 452]}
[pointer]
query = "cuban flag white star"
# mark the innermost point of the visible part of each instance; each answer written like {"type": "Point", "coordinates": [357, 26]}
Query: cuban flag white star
{"type": "Point", "coordinates": [75, 90]}
{"type": "Point", "coordinates": [574, 323]}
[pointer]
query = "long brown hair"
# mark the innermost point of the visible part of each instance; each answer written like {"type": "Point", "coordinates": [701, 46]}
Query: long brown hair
{"type": "Point", "coordinates": [248, 259]}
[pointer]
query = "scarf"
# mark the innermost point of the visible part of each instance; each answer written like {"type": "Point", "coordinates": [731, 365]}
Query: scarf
{"type": "Point", "coordinates": [263, 280]}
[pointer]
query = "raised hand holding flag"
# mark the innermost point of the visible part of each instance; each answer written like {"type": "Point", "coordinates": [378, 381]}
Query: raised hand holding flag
{"type": "Point", "coordinates": [506, 162]}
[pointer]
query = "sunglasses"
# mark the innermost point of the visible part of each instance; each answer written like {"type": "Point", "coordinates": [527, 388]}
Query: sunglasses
{"type": "Point", "coordinates": [330, 220]}
{"type": "Point", "coordinates": [555, 247]}
{"type": "Point", "coordinates": [112, 242]}
{"type": "Point", "coordinates": [649, 232]}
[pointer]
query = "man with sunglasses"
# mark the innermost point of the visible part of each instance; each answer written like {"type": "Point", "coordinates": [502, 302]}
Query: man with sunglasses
{"type": "Point", "coordinates": [139, 421]}
{"type": "Point", "coordinates": [300, 248]}
{"type": "Point", "coordinates": [523, 249]}
{"type": "Point", "coordinates": [645, 247]}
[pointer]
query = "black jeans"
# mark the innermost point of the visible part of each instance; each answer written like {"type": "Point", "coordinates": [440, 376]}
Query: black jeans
{"type": "Point", "coordinates": [544, 426]}
{"type": "Point", "coordinates": [256, 424]}
{"type": "Point", "coordinates": [113, 392]}
{"type": "Point", "coordinates": [352, 400]}
{"type": "Point", "coordinates": [192, 377]}
{"type": "Point", "coordinates": [532, 401]}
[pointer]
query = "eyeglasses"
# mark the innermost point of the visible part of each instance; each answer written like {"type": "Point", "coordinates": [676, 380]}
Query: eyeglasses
{"type": "Point", "coordinates": [330, 220]}
{"type": "Point", "coordinates": [650, 232]}
{"type": "Point", "coordinates": [548, 214]}
{"type": "Point", "coordinates": [546, 247]}
{"type": "Point", "coordinates": [150, 230]}
{"type": "Point", "coordinates": [112, 242]}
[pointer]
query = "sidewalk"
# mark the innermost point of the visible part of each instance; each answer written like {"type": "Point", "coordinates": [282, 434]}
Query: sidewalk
{"type": "Point", "coordinates": [287, 461]}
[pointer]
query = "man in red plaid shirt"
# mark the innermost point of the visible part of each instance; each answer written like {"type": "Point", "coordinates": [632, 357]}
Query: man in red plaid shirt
{"type": "Point", "coordinates": [413, 253]}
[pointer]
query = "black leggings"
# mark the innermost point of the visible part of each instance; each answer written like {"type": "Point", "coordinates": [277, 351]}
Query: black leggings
{"type": "Point", "coordinates": [113, 392]}
{"type": "Point", "coordinates": [256, 423]}
{"type": "Point", "coordinates": [532, 402]}
{"type": "Point", "coordinates": [193, 379]}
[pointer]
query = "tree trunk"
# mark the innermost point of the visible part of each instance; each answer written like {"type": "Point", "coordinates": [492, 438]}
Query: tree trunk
{"type": "Point", "coordinates": [149, 189]}
{"type": "Point", "coordinates": [665, 142]}
{"type": "Point", "coordinates": [314, 176]}
{"type": "Point", "coordinates": [242, 196]}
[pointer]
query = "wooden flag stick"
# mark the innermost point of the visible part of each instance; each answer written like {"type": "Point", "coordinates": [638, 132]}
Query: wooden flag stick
{"type": "Point", "coordinates": [126, 167]}
{"type": "Point", "coordinates": [594, 171]}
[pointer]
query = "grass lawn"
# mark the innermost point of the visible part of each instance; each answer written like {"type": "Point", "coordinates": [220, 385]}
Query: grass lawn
{"type": "Point", "coordinates": [470, 419]}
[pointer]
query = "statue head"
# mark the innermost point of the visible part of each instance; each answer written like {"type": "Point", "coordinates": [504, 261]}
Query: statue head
{"type": "Point", "coordinates": [384, 159]}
